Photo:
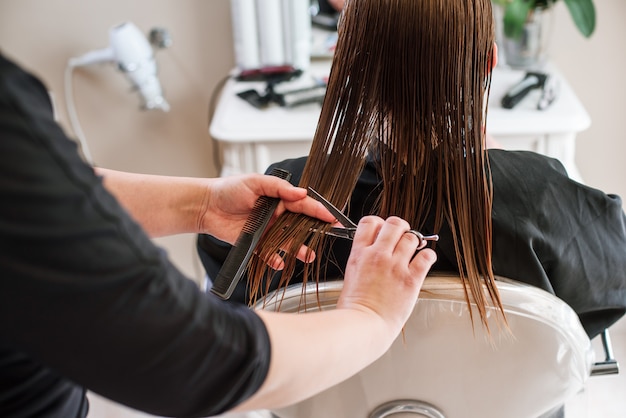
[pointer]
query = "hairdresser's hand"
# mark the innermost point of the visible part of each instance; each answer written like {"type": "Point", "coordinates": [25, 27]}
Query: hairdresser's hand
{"type": "Point", "coordinates": [229, 201]}
{"type": "Point", "coordinates": [382, 276]}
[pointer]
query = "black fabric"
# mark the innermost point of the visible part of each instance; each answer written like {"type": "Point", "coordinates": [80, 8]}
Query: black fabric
{"type": "Point", "coordinates": [326, 8]}
{"type": "Point", "coordinates": [88, 301]}
{"type": "Point", "coordinates": [548, 231]}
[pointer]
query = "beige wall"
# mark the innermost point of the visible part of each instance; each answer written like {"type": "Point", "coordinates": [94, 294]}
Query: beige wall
{"type": "Point", "coordinates": [595, 68]}
{"type": "Point", "coordinates": [43, 34]}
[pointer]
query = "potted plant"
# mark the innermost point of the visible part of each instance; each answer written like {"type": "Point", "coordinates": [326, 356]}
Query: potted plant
{"type": "Point", "coordinates": [525, 27]}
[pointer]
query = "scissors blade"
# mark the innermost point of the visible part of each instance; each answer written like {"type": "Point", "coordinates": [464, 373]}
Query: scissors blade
{"type": "Point", "coordinates": [343, 219]}
{"type": "Point", "coordinates": [345, 233]}
{"type": "Point", "coordinates": [350, 227]}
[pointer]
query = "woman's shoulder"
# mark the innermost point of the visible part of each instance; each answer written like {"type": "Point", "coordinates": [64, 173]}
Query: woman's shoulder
{"type": "Point", "coordinates": [525, 175]}
{"type": "Point", "coordinates": [518, 162]}
{"type": "Point", "coordinates": [528, 182]}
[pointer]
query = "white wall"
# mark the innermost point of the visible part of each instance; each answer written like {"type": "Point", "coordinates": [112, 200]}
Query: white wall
{"type": "Point", "coordinates": [595, 68]}
{"type": "Point", "coordinates": [43, 35]}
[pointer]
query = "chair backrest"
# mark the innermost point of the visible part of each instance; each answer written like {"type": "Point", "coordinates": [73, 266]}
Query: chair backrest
{"type": "Point", "coordinates": [444, 367]}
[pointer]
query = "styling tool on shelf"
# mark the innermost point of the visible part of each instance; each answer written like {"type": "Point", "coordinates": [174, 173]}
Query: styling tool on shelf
{"type": "Point", "coordinates": [284, 97]}
{"type": "Point", "coordinates": [547, 83]}
{"type": "Point", "coordinates": [276, 74]}
{"type": "Point", "coordinates": [549, 92]}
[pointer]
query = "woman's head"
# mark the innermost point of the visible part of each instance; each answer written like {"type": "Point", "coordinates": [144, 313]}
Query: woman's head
{"type": "Point", "coordinates": [396, 56]}
{"type": "Point", "coordinates": [403, 34]}
{"type": "Point", "coordinates": [409, 82]}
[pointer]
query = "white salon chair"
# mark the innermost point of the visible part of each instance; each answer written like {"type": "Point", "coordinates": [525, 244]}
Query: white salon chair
{"type": "Point", "coordinates": [444, 368]}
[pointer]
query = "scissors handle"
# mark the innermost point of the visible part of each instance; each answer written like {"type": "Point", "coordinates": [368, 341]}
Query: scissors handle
{"type": "Point", "coordinates": [348, 233]}
{"type": "Point", "coordinates": [422, 237]}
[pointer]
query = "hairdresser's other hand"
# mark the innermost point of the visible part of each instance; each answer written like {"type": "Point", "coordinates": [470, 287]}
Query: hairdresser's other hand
{"type": "Point", "coordinates": [382, 276]}
{"type": "Point", "coordinates": [381, 285]}
{"type": "Point", "coordinates": [230, 200]}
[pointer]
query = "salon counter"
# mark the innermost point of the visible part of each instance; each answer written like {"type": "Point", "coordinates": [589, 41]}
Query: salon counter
{"type": "Point", "coordinates": [250, 139]}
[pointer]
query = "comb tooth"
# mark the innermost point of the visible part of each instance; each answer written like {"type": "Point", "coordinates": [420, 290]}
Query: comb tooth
{"type": "Point", "coordinates": [263, 207]}
{"type": "Point", "coordinates": [237, 260]}
{"type": "Point", "coordinates": [233, 267]}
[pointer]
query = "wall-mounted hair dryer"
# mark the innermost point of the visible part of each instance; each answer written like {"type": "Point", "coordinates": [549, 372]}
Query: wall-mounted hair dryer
{"type": "Point", "coordinates": [132, 53]}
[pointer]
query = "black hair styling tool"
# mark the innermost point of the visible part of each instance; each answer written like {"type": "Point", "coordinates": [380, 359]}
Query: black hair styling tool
{"type": "Point", "coordinates": [236, 262]}
{"type": "Point", "coordinates": [531, 81]}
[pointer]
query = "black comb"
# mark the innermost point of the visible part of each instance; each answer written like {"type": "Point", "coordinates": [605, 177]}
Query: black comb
{"type": "Point", "coordinates": [237, 260]}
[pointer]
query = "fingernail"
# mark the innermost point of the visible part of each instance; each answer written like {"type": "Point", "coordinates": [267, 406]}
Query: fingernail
{"type": "Point", "coordinates": [431, 256]}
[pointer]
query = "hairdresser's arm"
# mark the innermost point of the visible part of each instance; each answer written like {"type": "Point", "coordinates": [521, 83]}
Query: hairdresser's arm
{"type": "Point", "coordinates": [381, 286]}
{"type": "Point", "coordinates": [165, 205]}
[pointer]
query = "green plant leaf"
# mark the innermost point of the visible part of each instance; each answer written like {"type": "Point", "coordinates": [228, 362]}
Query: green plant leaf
{"type": "Point", "coordinates": [515, 15]}
{"type": "Point", "coordinates": [583, 13]}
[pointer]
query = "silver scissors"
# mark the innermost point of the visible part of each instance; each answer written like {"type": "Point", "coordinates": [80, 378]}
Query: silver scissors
{"type": "Point", "coordinates": [349, 227]}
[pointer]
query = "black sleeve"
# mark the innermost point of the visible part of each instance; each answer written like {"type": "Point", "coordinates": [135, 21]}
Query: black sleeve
{"type": "Point", "coordinates": [559, 235]}
{"type": "Point", "coordinates": [85, 292]}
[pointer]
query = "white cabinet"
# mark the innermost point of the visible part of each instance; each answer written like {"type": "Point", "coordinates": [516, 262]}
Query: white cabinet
{"type": "Point", "coordinates": [551, 132]}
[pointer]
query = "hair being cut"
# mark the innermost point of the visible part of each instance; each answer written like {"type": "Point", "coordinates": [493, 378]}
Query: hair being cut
{"type": "Point", "coordinates": [409, 84]}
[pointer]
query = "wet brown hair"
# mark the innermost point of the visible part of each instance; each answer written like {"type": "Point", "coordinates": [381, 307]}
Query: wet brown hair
{"type": "Point", "coordinates": [409, 83]}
